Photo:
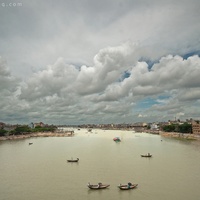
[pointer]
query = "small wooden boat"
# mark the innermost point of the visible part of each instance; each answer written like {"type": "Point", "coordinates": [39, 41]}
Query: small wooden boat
{"type": "Point", "coordinates": [128, 186]}
{"type": "Point", "coordinates": [98, 186]}
{"type": "Point", "coordinates": [147, 155]}
{"type": "Point", "coordinates": [30, 143]}
{"type": "Point", "coordinates": [73, 160]}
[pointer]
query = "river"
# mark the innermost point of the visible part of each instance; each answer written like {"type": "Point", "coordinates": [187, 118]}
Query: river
{"type": "Point", "coordinates": [40, 171]}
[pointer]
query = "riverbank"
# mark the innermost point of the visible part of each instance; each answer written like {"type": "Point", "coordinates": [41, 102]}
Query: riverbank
{"type": "Point", "coordinates": [71, 133]}
{"type": "Point", "coordinates": [38, 134]}
{"type": "Point", "coordinates": [180, 135]}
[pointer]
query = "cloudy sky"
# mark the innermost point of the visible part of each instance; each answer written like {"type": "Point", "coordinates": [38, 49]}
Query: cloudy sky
{"type": "Point", "coordinates": [92, 61]}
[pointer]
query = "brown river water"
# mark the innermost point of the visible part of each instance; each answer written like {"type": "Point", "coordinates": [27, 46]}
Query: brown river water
{"type": "Point", "coordinates": [40, 171]}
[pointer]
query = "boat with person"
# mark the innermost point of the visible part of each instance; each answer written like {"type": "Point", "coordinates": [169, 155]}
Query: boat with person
{"type": "Point", "coordinates": [147, 155]}
{"type": "Point", "coordinates": [98, 186]}
{"type": "Point", "coordinates": [128, 186]}
{"type": "Point", "coordinates": [73, 160]}
{"type": "Point", "coordinates": [117, 139]}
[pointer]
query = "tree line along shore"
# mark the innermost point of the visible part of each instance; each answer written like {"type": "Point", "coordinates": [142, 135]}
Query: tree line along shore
{"type": "Point", "coordinates": [22, 132]}
{"type": "Point", "coordinates": [38, 134]}
{"type": "Point", "coordinates": [71, 133]}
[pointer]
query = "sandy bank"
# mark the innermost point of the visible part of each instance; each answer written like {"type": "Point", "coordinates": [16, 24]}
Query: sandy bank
{"type": "Point", "coordinates": [39, 134]}
{"type": "Point", "coordinates": [180, 135]}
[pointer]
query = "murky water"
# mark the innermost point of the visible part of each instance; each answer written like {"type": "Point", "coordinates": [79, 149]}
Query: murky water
{"type": "Point", "coordinates": [40, 171]}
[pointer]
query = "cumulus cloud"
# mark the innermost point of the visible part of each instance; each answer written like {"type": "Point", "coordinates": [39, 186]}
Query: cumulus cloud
{"type": "Point", "coordinates": [8, 83]}
{"type": "Point", "coordinates": [189, 94]}
{"type": "Point", "coordinates": [171, 73]}
{"type": "Point", "coordinates": [100, 89]}
{"type": "Point", "coordinates": [54, 80]}
{"type": "Point", "coordinates": [109, 64]}
{"type": "Point", "coordinates": [9, 90]}
{"type": "Point", "coordinates": [99, 60]}
{"type": "Point", "coordinates": [77, 30]}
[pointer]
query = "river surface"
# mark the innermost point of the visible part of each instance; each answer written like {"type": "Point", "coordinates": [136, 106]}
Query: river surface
{"type": "Point", "coordinates": [40, 171]}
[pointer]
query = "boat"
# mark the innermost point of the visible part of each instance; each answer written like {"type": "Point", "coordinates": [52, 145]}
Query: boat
{"type": "Point", "coordinates": [127, 187]}
{"type": "Point", "coordinates": [117, 139]}
{"type": "Point", "coordinates": [30, 143]}
{"type": "Point", "coordinates": [73, 160]}
{"type": "Point", "coordinates": [98, 186]}
{"type": "Point", "coordinates": [147, 155]}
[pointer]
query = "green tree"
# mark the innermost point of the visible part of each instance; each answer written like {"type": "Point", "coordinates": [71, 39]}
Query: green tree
{"type": "Point", "coordinates": [169, 128]}
{"type": "Point", "coordinates": [182, 128]}
{"type": "Point", "coordinates": [21, 130]}
{"type": "Point", "coordinates": [44, 129]}
{"type": "Point", "coordinates": [3, 132]}
{"type": "Point", "coordinates": [185, 128]}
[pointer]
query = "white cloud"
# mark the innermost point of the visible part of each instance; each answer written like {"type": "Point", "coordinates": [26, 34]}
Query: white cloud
{"type": "Point", "coordinates": [102, 52]}
{"type": "Point", "coordinates": [8, 83]}
{"type": "Point", "coordinates": [55, 79]}
{"type": "Point", "coordinates": [141, 116]}
{"type": "Point", "coordinates": [76, 30]}
{"type": "Point", "coordinates": [189, 94]}
{"type": "Point", "coordinates": [79, 89]}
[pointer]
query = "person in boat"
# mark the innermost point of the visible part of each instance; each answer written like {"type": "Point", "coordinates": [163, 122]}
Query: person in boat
{"type": "Point", "coordinates": [129, 185]}
{"type": "Point", "coordinates": [99, 185]}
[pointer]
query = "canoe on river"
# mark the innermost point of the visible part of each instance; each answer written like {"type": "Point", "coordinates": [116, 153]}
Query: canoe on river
{"type": "Point", "coordinates": [73, 160]}
{"type": "Point", "coordinates": [128, 186]}
{"type": "Point", "coordinates": [147, 155]}
{"type": "Point", "coordinates": [98, 186]}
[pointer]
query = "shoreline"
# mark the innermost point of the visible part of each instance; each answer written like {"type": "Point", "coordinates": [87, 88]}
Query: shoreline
{"type": "Point", "coordinates": [179, 135]}
{"type": "Point", "coordinates": [38, 134]}
{"type": "Point", "coordinates": [71, 134]}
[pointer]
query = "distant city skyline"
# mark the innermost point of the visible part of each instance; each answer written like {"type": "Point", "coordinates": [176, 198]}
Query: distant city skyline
{"type": "Point", "coordinates": [99, 62]}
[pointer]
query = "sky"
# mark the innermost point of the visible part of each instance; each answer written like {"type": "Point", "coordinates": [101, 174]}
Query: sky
{"type": "Point", "coordinates": [99, 62]}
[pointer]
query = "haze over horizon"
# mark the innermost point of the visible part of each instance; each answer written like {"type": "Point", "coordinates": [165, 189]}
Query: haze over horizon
{"type": "Point", "coordinates": [108, 61]}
